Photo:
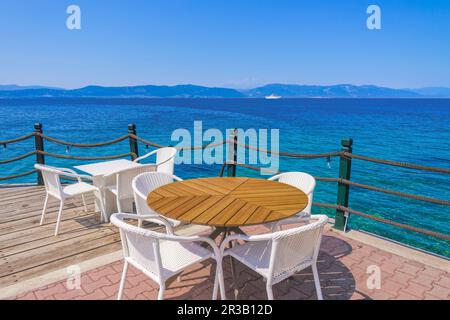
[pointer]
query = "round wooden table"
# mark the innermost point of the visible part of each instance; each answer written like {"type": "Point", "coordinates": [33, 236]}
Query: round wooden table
{"type": "Point", "coordinates": [227, 203]}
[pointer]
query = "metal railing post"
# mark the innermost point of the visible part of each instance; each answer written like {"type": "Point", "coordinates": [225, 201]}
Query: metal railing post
{"type": "Point", "coordinates": [232, 154]}
{"type": "Point", "coordinates": [345, 166]}
{"type": "Point", "coordinates": [39, 146]}
{"type": "Point", "coordinates": [133, 142]}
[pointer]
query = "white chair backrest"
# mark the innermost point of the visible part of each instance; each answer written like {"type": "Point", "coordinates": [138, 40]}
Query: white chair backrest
{"type": "Point", "coordinates": [302, 181]}
{"type": "Point", "coordinates": [51, 179]}
{"type": "Point", "coordinates": [166, 156]}
{"type": "Point", "coordinates": [145, 183]}
{"type": "Point", "coordinates": [295, 247]}
{"type": "Point", "coordinates": [141, 245]}
{"type": "Point", "coordinates": [124, 179]}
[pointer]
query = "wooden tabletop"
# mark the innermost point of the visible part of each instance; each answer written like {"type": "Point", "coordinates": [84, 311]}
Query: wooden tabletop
{"type": "Point", "coordinates": [227, 202]}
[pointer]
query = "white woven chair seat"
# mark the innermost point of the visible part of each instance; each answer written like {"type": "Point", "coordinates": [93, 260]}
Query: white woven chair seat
{"type": "Point", "coordinates": [255, 255]}
{"type": "Point", "coordinates": [78, 188]}
{"type": "Point", "coordinates": [179, 255]}
{"type": "Point", "coordinates": [175, 257]}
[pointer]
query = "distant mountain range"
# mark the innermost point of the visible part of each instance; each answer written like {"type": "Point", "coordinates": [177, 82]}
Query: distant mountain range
{"type": "Point", "coordinates": [193, 91]}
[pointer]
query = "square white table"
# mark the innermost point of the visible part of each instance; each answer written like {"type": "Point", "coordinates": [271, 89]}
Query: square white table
{"type": "Point", "coordinates": [98, 171]}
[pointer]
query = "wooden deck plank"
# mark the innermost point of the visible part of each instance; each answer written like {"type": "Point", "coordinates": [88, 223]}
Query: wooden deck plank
{"type": "Point", "coordinates": [28, 250]}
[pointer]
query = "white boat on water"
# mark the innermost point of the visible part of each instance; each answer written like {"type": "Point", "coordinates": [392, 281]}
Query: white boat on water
{"type": "Point", "coordinates": [273, 97]}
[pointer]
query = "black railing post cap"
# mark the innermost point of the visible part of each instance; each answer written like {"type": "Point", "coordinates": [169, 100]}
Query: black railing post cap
{"type": "Point", "coordinates": [347, 142]}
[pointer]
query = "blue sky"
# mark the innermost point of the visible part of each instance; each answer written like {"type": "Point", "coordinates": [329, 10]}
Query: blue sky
{"type": "Point", "coordinates": [236, 43]}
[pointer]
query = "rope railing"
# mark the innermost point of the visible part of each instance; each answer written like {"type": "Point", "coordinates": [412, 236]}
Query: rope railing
{"type": "Point", "coordinates": [19, 175]}
{"type": "Point", "coordinates": [83, 145]}
{"type": "Point", "coordinates": [156, 145]}
{"type": "Point", "coordinates": [25, 137]}
{"type": "Point", "coordinates": [396, 163]}
{"type": "Point", "coordinates": [29, 154]}
{"type": "Point", "coordinates": [362, 186]}
{"type": "Point", "coordinates": [292, 155]}
{"type": "Point", "coordinates": [386, 221]}
{"type": "Point", "coordinates": [61, 156]}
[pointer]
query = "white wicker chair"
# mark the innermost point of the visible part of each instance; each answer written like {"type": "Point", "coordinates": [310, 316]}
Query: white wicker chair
{"type": "Point", "coordinates": [53, 187]}
{"type": "Point", "coordinates": [163, 256]}
{"type": "Point", "coordinates": [277, 256]}
{"type": "Point", "coordinates": [123, 179]}
{"type": "Point", "coordinates": [145, 183]}
{"type": "Point", "coordinates": [305, 183]}
{"type": "Point", "coordinates": [165, 159]}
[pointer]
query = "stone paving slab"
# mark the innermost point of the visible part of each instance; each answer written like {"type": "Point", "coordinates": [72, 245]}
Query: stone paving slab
{"type": "Point", "coordinates": [347, 268]}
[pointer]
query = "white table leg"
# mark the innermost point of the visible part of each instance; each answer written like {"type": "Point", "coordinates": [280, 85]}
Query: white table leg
{"type": "Point", "coordinates": [109, 201]}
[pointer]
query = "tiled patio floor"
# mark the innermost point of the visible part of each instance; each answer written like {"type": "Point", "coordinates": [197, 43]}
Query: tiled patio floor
{"type": "Point", "coordinates": [343, 267]}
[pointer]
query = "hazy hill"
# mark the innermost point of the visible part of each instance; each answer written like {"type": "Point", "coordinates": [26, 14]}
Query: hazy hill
{"type": "Point", "coordinates": [193, 91]}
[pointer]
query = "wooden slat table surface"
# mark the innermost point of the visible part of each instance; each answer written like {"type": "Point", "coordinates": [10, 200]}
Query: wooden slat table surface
{"type": "Point", "coordinates": [227, 202]}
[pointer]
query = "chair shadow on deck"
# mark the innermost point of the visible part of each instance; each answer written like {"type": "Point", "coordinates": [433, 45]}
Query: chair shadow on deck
{"type": "Point", "coordinates": [336, 279]}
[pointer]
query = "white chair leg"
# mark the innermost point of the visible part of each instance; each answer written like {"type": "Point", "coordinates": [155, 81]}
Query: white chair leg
{"type": "Point", "coordinates": [58, 219]}
{"type": "Point", "coordinates": [162, 288]}
{"type": "Point", "coordinates": [122, 280]}
{"type": "Point", "coordinates": [317, 282]}
{"type": "Point", "coordinates": [45, 209]}
{"type": "Point", "coordinates": [119, 207]}
{"type": "Point", "coordinates": [269, 291]}
{"type": "Point", "coordinates": [84, 203]}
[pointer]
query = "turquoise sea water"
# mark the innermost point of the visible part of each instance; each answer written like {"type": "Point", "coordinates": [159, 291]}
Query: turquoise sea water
{"type": "Point", "coordinates": [416, 131]}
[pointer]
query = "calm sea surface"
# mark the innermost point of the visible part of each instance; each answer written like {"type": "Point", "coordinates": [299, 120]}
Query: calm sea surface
{"type": "Point", "coordinates": [416, 131]}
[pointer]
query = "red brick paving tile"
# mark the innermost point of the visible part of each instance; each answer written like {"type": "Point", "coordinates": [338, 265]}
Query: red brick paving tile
{"type": "Point", "coordinates": [423, 280]}
{"type": "Point", "coordinates": [50, 291]}
{"type": "Point", "coordinates": [392, 286]}
{"type": "Point", "coordinates": [406, 296]}
{"type": "Point", "coordinates": [103, 272]}
{"type": "Point", "coordinates": [111, 290]}
{"type": "Point", "coordinates": [410, 269]}
{"type": "Point", "coordinates": [388, 268]}
{"type": "Point", "coordinates": [98, 294]}
{"type": "Point", "coordinates": [137, 289]}
{"type": "Point", "coordinates": [444, 281]}
{"type": "Point", "coordinates": [118, 267]}
{"type": "Point", "coordinates": [93, 285]}
{"type": "Point", "coordinates": [69, 295]}
{"type": "Point", "coordinates": [433, 272]}
{"type": "Point", "coordinates": [401, 277]}
{"type": "Point", "coordinates": [114, 278]}
{"type": "Point", "coordinates": [428, 296]}
{"type": "Point", "coordinates": [136, 279]}
{"type": "Point", "coordinates": [377, 258]}
{"type": "Point", "coordinates": [382, 295]}
{"type": "Point", "coordinates": [397, 260]}
{"type": "Point", "coordinates": [440, 292]}
{"type": "Point", "coordinates": [416, 289]}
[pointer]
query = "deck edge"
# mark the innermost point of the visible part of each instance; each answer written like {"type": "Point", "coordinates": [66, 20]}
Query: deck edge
{"type": "Point", "coordinates": [396, 248]}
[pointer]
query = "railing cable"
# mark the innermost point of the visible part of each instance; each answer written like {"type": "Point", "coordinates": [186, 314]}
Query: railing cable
{"type": "Point", "coordinates": [84, 145]}
{"type": "Point", "coordinates": [386, 221]}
